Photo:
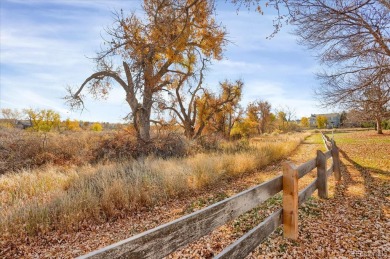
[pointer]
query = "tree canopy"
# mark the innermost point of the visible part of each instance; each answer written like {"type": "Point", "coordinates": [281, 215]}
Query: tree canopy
{"type": "Point", "coordinates": [158, 52]}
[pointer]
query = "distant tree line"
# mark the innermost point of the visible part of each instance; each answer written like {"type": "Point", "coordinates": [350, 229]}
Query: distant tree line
{"type": "Point", "coordinates": [45, 120]}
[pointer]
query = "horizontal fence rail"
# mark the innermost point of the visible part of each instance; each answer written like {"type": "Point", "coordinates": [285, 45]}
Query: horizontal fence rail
{"type": "Point", "coordinates": [165, 239]}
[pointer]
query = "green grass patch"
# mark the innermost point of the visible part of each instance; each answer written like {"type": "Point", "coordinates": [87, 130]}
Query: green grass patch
{"type": "Point", "coordinates": [366, 148]}
{"type": "Point", "coordinates": [314, 139]}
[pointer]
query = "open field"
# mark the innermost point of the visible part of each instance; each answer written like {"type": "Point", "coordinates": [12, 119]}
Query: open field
{"type": "Point", "coordinates": [366, 148]}
{"type": "Point", "coordinates": [35, 202]}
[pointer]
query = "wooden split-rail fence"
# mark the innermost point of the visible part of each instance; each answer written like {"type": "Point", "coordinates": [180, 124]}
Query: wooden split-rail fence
{"type": "Point", "coordinates": [165, 239]}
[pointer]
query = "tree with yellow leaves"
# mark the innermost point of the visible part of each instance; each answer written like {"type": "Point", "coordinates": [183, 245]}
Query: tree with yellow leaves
{"type": "Point", "coordinates": [305, 122]}
{"type": "Point", "coordinates": [43, 120]}
{"type": "Point", "coordinates": [158, 52]}
{"type": "Point", "coordinates": [259, 115]}
{"type": "Point", "coordinates": [72, 125]}
{"type": "Point", "coordinates": [321, 121]}
{"type": "Point", "coordinates": [96, 127]}
{"type": "Point", "coordinates": [211, 107]}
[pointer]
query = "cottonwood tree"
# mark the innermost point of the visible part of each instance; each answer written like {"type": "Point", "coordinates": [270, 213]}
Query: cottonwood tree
{"type": "Point", "coordinates": [230, 115]}
{"type": "Point", "coordinates": [252, 117]}
{"type": "Point", "coordinates": [367, 91]}
{"type": "Point", "coordinates": [197, 112]}
{"type": "Point", "coordinates": [229, 111]}
{"type": "Point", "coordinates": [182, 105]}
{"type": "Point", "coordinates": [282, 119]}
{"type": "Point", "coordinates": [359, 118]}
{"type": "Point", "coordinates": [43, 120]}
{"type": "Point", "coordinates": [288, 10]}
{"type": "Point", "coordinates": [259, 113]}
{"type": "Point", "coordinates": [305, 122]}
{"type": "Point", "coordinates": [321, 121]}
{"type": "Point", "coordinates": [265, 115]}
{"type": "Point", "coordinates": [71, 125]}
{"type": "Point", "coordinates": [284, 116]}
{"type": "Point", "coordinates": [156, 52]}
{"type": "Point", "coordinates": [377, 105]}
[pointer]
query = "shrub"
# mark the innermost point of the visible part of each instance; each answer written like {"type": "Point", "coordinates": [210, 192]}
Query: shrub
{"type": "Point", "coordinates": [72, 125]}
{"type": "Point", "coordinates": [6, 125]}
{"type": "Point", "coordinates": [96, 127]}
{"type": "Point", "coordinates": [21, 149]}
{"type": "Point", "coordinates": [386, 124]}
{"type": "Point", "coordinates": [209, 142]}
{"type": "Point", "coordinates": [123, 145]}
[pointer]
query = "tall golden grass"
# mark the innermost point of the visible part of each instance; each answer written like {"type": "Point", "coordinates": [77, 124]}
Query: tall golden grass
{"type": "Point", "coordinates": [54, 198]}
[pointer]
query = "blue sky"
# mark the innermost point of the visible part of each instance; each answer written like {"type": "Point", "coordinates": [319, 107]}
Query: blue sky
{"type": "Point", "coordinates": [44, 45]}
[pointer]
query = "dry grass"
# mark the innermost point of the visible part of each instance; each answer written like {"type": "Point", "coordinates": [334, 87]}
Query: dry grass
{"type": "Point", "coordinates": [20, 149]}
{"type": "Point", "coordinates": [37, 201]}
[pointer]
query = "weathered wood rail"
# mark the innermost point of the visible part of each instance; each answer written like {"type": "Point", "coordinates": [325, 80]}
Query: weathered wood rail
{"type": "Point", "coordinates": [165, 239]}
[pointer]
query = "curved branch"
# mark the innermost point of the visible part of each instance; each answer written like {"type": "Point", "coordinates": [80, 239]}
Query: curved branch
{"type": "Point", "coordinates": [99, 76]}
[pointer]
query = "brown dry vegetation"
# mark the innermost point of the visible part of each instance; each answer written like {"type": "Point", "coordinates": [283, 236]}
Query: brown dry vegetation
{"type": "Point", "coordinates": [20, 149]}
{"type": "Point", "coordinates": [68, 199]}
{"type": "Point", "coordinates": [23, 149]}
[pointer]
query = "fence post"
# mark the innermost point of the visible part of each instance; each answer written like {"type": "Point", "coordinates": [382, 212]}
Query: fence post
{"type": "Point", "coordinates": [336, 161]}
{"type": "Point", "coordinates": [322, 179]}
{"type": "Point", "coordinates": [290, 201]}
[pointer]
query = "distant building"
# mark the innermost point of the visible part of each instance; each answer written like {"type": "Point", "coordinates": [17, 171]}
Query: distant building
{"type": "Point", "coordinates": [333, 120]}
{"type": "Point", "coordinates": [23, 124]}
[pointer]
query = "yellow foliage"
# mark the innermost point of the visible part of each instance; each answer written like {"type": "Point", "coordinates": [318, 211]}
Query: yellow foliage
{"type": "Point", "coordinates": [305, 122]}
{"type": "Point", "coordinates": [321, 121]}
{"type": "Point", "coordinates": [72, 125]}
{"type": "Point", "coordinates": [97, 127]}
{"type": "Point", "coordinates": [44, 120]}
{"type": "Point", "coordinates": [244, 128]}
{"type": "Point", "coordinates": [175, 31]}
